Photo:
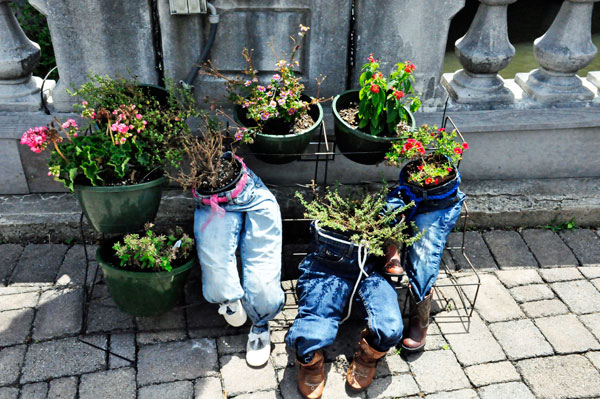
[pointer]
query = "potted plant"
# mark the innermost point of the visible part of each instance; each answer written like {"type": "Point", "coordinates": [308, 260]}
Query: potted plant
{"type": "Point", "coordinates": [278, 119]}
{"type": "Point", "coordinates": [115, 164]}
{"type": "Point", "coordinates": [146, 274]}
{"type": "Point", "coordinates": [432, 170]}
{"type": "Point", "coordinates": [360, 219]}
{"type": "Point", "coordinates": [368, 120]}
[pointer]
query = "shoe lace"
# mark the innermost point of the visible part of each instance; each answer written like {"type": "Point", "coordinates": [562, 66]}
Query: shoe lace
{"type": "Point", "coordinates": [258, 341]}
{"type": "Point", "coordinates": [226, 308]}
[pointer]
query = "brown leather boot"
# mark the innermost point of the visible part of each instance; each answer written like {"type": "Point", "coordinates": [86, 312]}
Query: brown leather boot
{"type": "Point", "coordinates": [362, 369]}
{"type": "Point", "coordinates": [414, 337]}
{"type": "Point", "coordinates": [311, 377]}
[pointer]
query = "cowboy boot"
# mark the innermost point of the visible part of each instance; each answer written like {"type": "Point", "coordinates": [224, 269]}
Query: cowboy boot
{"type": "Point", "coordinates": [414, 338]}
{"type": "Point", "coordinates": [311, 377]}
{"type": "Point", "coordinates": [362, 369]}
{"type": "Point", "coordinates": [393, 265]}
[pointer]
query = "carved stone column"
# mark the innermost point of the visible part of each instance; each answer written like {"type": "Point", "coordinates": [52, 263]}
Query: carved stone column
{"type": "Point", "coordinates": [19, 90]}
{"type": "Point", "coordinates": [563, 50]}
{"type": "Point", "coordinates": [483, 52]}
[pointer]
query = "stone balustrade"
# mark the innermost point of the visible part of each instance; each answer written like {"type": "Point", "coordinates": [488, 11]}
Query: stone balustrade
{"type": "Point", "coordinates": [123, 38]}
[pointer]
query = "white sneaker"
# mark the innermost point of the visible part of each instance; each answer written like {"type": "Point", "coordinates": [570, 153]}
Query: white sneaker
{"type": "Point", "coordinates": [233, 313]}
{"type": "Point", "coordinates": [258, 348]}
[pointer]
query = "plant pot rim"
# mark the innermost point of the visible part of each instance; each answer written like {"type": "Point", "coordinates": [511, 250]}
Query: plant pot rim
{"type": "Point", "coordinates": [142, 275]}
{"type": "Point", "coordinates": [360, 133]}
{"type": "Point", "coordinates": [126, 187]}
{"type": "Point", "coordinates": [317, 122]}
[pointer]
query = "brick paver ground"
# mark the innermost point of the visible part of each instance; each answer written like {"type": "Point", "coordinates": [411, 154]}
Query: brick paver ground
{"type": "Point", "coordinates": [534, 331]}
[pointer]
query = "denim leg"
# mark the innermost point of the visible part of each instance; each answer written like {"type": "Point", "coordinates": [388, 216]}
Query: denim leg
{"type": "Point", "coordinates": [322, 297]}
{"type": "Point", "coordinates": [261, 258]}
{"type": "Point", "coordinates": [384, 318]}
{"type": "Point", "coordinates": [216, 251]}
{"type": "Point", "coordinates": [425, 255]}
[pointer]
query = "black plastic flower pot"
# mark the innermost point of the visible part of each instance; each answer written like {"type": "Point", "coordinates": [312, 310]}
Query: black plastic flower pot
{"type": "Point", "coordinates": [142, 293]}
{"type": "Point", "coordinates": [120, 209]}
{"type": "Point", "coordinates": [355, 144]}
{"type": "Point", "coordinates": [229, 186]}
{"type": "Point", "coordinates": [282, 148]}
{"type": "Point", "coordinates": [431, 196]}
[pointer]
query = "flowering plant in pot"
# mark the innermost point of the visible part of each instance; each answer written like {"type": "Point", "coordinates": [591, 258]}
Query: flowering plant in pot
{"type": "Point", "coordinates": [369, 119]}
{"type": "Point", "coordinates": [146, 273]}
{"type": "Point", "coordinates": [433, 156]}
{"type": "Point", "coordinates": [275, 117]}
{"type": "Point", "coordinates": [133, 132]}
{"type": "Point", "coordinates": [361, 218]}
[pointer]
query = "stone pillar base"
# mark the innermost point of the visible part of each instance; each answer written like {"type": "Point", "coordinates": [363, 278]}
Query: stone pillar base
{"type": "Point", "coordinates": [546, 88]}
{"type": "Point", "coordinates": [21, 94]}
{"type": "Point", "coordinates": [466, 88]}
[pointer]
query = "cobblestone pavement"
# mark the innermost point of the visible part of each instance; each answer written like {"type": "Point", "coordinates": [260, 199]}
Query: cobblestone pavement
{"type": "Point", "coordinates": [535, 331]}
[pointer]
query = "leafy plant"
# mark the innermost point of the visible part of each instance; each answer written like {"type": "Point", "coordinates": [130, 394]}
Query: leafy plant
{"type": "Point", "coordinates": [277, 101]}
{"type": "Point", "coordinates": [129, 134]}
{"type": "Point", "coordinates": [435, 149]}
{"type": "Point", "coordinates": [383, 100]}
{"type": "Point", "coordinates": [153, 252]}
{"type": "Point", "coordinates": [365, 219]}
{"type": "Point", "coordinates": [568, 225]}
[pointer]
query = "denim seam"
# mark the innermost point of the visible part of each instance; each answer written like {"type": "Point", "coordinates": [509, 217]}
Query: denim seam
{"type": "Point", "coordinates": [369, 314]}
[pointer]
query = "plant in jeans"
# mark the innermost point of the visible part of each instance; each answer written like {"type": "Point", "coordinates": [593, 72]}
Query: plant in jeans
{"type": "Point", "coordinates": [206, 167]}
{"type": "Point", "coordinates": [153, 252]}
{"type": "Point", "coordinates": [383, 100]}
{"type": "Point", "coordinates": [277, 101]}
{"type": "Point", "coordinates": [435, 151]}
{"type": "Point", "coordinates": [364, 219]}
{"type": "Point", "coordinates": [129, 134]}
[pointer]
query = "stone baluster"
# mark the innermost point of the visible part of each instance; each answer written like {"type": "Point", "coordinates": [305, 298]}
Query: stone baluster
{"type": "Point", "coordinates": [19, 90]}
{"type": "Point", "coordinates": [483, 52]}
{"type": "Point", "coordinates": [563, 50]}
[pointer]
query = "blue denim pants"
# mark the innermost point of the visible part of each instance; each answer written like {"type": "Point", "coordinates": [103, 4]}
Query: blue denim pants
{"type": "Point", "coordinates": [329, 274]}
{"type": "Point", "coordinates": [252, 220]}
{"type": "Point", "coordinates": [436, 219]}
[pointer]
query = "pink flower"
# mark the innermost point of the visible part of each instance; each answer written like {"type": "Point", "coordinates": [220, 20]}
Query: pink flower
{"type": "Point", "coordinates": [449, 169]}
{"type": "Point", "coordinates": [265, 115]}
{"type": "Point", "coordinates": [276, 77]}
{"type": "Point", "coordinates": [272, 104]}
{"type": "Point", "coordinates": [239, 134]}
{"type": "Point", "coordinates": [93, 115]}
{"type": "Point", "coordinates": [291, 111]}
{"type": "Point", "coordinates": [145, 123]}
{"type": "Point", "coordinates": [262, 88]}
{"type": "Point", "coordinates": [247, 83]}
{"type": "Point", "coordinates": [370, 58]}
{"type": "Point", "coordinates": [123, 139]}
{"type": "Point", "coordinates": [466, 146]}
{"type": "Point", "coordinates": [113, 127]}
{"type": "Point", "coordinates": [138, 116]}
{"type": "Point", "coordinates": [115, 112]}
{"type": "Point", "coordinates": [84, 103]}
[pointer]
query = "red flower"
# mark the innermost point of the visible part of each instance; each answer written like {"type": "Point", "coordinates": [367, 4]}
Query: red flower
{"type": "Point", "coordinates": [466, 146]}
{"type": "Point", "coordinates": [437, 180]}
{"type": "Point", "coordinates": [412, 67]}
{"type": "Point", "coordinates": [420, 167]}
{"type": "Point", "coordinates": [411, 141]}
{"type": "Point", "coordinates": [449, 169]}
{"type": "Point", "coordinates": [375, 88]}
{"type": "Point", "coordinates": [398, 94]}
{"type": "Point", "coordinates": [441, 129]}
{"type": "Point", "coordinates": [458, 150]}
{"type": "Point", "coordinates": [407, 69]}
{"type": "Point", "coordinates": [370, 58]}
{"type": "Point", "coordinates": [429, 180]}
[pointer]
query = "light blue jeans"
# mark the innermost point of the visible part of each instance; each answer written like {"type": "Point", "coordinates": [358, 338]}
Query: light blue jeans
{"type": "Point", "coordinates": [435, 219]}
{"type": "Point", "coordinates": [253, 221]}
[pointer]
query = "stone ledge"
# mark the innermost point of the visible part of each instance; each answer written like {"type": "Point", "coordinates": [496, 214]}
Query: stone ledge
{"type": "Point", "coordinates": [499, 203]}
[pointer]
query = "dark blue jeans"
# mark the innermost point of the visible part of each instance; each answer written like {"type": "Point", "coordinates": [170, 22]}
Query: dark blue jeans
{"type": "Point", "coordinates": [329, 274]}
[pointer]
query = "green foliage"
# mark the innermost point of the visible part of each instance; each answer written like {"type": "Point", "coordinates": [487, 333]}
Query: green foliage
{"type": "Point", "coordinates": [383, 102]}
{"type": "Point", "coordinates": [568, 225]}
{"type": "Point", "coordinates": [36, 29]}
{"type": "Point", "coordinates": [129, 133]}
{"type": "Point", "coordinates": [153, 252]}
{"type": "Point", "coordinates": [366, 219]}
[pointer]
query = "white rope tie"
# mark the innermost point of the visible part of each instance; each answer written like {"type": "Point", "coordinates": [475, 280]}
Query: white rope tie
{"type": "Point", "coordinates": [362, 260]}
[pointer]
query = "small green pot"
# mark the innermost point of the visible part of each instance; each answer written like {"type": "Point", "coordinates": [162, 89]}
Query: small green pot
{"type": "Point", "coordinates": [120, 209]}
{"type": "Point", "coordinates": [280, 149]}
{"type": "Point", "coordinates": [142, 293]}
{"type": "Point", "coordinates": [356, 145]}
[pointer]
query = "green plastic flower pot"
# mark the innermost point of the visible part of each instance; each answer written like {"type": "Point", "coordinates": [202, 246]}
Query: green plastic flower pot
{"type": "Point", "coordinates": [356, 145]}
{"type": "Point", "coordinates": [142, 293]}
{"type": "Point", "coordinates": [120, 209]}
{"type": "Point", "coordinates": [284, 148]}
